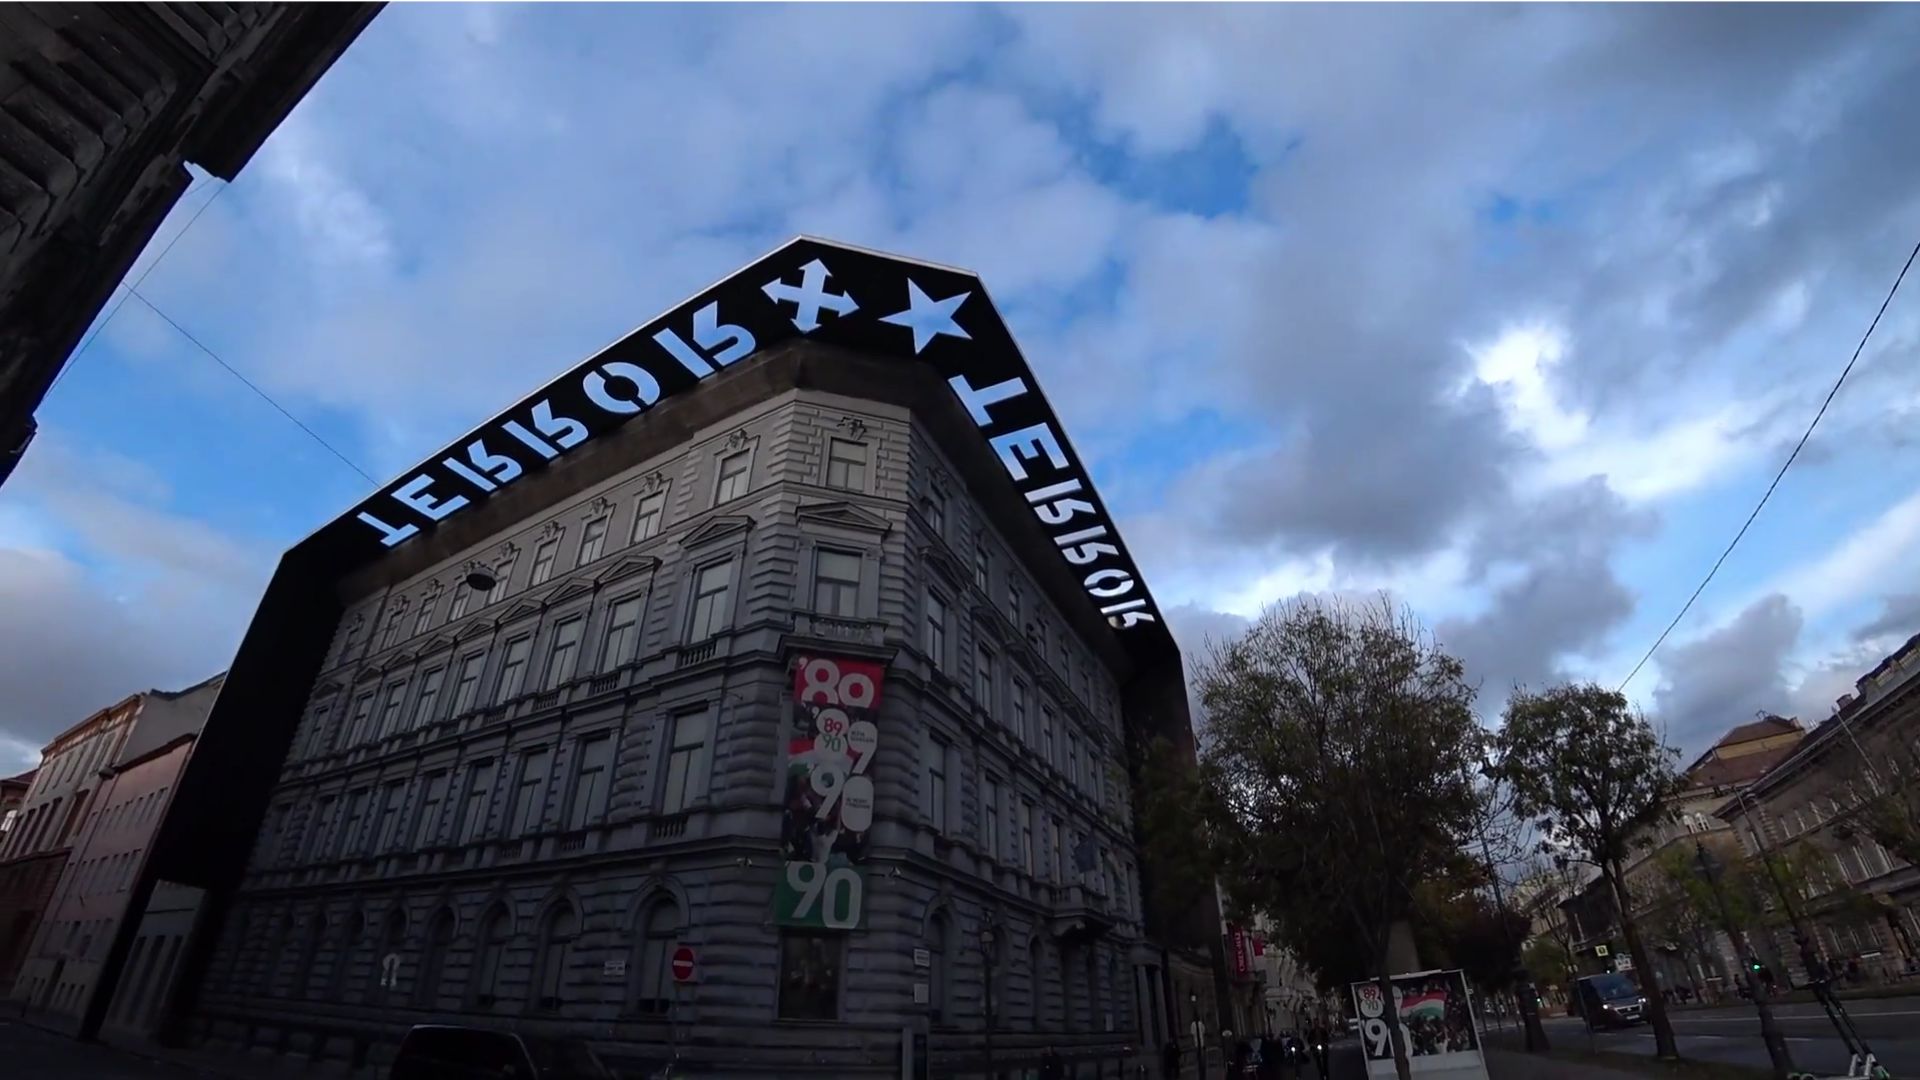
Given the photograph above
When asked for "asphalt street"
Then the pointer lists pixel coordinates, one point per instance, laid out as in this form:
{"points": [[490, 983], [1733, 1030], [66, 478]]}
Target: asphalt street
{"points": [[31, 1053], [1891, 1027]]}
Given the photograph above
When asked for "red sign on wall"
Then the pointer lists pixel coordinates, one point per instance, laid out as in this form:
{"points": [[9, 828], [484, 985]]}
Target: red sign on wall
{"points": [[682, 964], [1237, 948]]}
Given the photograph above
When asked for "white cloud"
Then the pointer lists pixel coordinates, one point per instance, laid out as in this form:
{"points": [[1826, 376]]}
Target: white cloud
{"points": [[1873, 559]]}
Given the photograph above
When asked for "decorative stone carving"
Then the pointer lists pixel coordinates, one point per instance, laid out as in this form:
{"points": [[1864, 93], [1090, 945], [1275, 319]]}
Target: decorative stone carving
{"points": [[599, 507], [738, 439], [550, 530], [654, 482], [854, 427]]}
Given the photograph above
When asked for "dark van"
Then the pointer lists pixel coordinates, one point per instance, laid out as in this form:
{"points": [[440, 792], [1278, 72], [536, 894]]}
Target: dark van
{"points": [[1610, 1000], [437, 1052]]}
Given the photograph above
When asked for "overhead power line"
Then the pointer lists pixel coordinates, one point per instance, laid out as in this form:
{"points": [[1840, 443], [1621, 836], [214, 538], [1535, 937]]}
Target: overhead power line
{"points": [[74, 360], [1784, 466], [249, 384]]}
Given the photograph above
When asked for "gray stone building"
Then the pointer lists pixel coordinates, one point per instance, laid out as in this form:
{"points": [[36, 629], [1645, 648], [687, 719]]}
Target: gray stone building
{"points": [[812, 675]]}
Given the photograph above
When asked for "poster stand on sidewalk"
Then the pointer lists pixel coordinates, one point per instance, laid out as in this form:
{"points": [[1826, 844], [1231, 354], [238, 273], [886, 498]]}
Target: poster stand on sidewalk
{"points": [[1436, 1019]]}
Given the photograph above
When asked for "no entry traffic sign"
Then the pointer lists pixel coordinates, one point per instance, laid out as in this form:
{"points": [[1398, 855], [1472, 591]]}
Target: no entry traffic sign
{"points": [[682, 964]]}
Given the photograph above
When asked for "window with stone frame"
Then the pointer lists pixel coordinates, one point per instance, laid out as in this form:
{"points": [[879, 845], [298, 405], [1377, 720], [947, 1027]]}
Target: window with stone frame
{"points": [[846, 464], [712, 601], [810, 964], [836, 583]]}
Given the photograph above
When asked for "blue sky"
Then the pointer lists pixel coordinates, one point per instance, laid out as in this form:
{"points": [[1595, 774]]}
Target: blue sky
{"points": [[1510, 311]]}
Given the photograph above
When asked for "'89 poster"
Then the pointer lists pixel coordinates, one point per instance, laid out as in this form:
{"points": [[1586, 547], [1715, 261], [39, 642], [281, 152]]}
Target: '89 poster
{"points": [[827, 818]]}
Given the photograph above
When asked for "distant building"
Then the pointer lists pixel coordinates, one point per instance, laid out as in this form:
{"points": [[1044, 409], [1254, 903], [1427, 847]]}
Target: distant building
{"points": [[13, 792], [104, 104], [1701, 960], [827, 668], [1862, 902], [59, 975]]}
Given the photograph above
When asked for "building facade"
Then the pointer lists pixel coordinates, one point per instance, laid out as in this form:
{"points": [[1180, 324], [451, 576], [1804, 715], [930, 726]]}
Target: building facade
{"points": [[1688, 951], [49, 817], [782, 729], [104, 104], [88, 901], [1858, 901]]}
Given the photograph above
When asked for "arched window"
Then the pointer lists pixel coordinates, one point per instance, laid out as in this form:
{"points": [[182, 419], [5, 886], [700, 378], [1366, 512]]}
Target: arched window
{"points": [[937, 967], [352, 929], [659, 931], [1036, 984], [1063, 965], [276, 948], [303, 980], [556, 948], [426, 990], [494, 933], [1113, 995], [383, 975]]}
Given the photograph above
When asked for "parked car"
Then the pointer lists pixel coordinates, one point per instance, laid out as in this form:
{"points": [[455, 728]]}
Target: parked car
{"points": [[1610, 1000], [446, 1052]]}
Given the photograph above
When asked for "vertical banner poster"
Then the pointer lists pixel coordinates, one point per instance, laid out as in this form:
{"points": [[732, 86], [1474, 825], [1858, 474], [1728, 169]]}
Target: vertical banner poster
{"points": [[1436, 1019], [827, 817], [1237, 947]]}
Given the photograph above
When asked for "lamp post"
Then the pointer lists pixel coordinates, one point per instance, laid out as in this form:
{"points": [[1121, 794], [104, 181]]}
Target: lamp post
{"points": [[989, 937], [1769, 1031], [1199, 1036]]}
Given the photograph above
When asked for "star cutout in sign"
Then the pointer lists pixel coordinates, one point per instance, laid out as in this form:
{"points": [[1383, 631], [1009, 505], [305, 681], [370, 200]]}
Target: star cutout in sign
{"points": [[927, 317]]}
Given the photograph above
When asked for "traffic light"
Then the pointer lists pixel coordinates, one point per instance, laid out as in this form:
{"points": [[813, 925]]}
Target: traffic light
{"points": [[1753, 962]]}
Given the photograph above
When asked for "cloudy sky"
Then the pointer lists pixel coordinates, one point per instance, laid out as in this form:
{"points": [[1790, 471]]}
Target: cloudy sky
{"points": [[1512, 311]]}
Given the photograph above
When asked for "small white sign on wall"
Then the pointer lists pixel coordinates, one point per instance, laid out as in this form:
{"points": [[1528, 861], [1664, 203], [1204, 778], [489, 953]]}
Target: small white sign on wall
{"points": [[922, 958], [613, 969], [919, 993]]}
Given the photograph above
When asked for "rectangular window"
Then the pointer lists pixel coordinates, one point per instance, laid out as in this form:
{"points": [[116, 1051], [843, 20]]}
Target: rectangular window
{"points": [[810, 975], [733, 477], [990, 816], [423, 709], [543, 557], [1046, 737], [502, 574], [623, 635], [1025, 825], [983, 678], [936, 807], [462, 596], [529, 801], [391, 633], [424, 621], [391, 829], [836, 583], [980, 568], [935, 641], [350, 829], [322, 830], [1018, 693], [687, 764], [846, 464], [647, 519], [1073, 760], [1013, 603], [593, 540], [319, 738], [473, 816], [466, 692], [1054, 850], [590, 781], [712, 591], [513, 673], [390, 712], [935, 509], [426, 831], [565, 656]]}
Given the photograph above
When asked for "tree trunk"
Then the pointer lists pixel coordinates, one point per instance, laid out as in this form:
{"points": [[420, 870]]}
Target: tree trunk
{"points": [[1395, 1034], [1664, 1046]]}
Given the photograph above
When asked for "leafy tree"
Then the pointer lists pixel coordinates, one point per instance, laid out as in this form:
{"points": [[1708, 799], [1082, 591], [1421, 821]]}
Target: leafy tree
{"points": [[1547, 961], [1339, 748], [1892, 815], [1593, 774]]}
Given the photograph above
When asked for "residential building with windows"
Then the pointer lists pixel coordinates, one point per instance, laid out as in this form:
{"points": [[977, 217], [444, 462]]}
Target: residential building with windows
{"points": [[77, 837], [1858, 900], [59, 975], [601, 774]]}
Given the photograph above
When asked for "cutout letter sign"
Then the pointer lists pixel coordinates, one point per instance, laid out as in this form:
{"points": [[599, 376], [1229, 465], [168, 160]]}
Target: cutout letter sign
{"points": [[870, 304], [828, 815]]}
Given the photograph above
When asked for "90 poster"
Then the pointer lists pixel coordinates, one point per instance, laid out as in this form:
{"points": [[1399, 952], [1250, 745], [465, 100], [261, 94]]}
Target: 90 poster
{"points": [[827, 813]]}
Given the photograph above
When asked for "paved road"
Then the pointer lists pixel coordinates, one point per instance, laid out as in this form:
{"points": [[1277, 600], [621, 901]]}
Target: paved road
{"points": [[1732, 1035]]}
